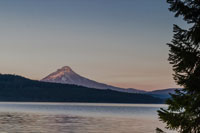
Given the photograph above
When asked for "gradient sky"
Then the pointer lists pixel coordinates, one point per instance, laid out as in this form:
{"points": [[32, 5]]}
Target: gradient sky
{"points": [[118, 42]]}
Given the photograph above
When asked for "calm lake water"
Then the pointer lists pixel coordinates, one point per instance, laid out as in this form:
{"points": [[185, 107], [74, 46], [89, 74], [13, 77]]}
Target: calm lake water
{"points": [[78, 118]]}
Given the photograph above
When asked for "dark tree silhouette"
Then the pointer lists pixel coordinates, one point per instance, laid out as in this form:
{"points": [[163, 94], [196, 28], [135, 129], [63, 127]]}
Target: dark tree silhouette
{"points": [[17, 88], [183, 112]]}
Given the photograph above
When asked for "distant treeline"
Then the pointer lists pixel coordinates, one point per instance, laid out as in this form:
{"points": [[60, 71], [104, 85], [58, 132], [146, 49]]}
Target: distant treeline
{"points": [[17, 88]]}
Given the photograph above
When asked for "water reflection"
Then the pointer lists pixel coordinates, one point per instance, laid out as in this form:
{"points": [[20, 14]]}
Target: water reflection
{"points": [[78, 118], [40, 123]]}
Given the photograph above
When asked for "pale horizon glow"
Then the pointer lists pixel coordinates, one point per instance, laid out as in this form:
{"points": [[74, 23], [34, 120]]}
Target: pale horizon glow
{"points": [[117, 42]]}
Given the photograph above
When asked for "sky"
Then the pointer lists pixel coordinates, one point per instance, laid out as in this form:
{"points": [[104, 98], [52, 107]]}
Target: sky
{"points": [[117, 42]]}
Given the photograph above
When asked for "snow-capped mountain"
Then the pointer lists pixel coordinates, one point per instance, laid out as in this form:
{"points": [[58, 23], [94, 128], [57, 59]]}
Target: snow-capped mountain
{"points": [[66, 75]]}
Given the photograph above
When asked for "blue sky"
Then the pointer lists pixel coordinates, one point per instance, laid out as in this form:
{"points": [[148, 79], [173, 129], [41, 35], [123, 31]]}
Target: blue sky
{"points": [[118, 42]]}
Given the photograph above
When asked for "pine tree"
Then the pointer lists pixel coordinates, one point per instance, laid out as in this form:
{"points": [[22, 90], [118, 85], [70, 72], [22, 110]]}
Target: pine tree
{"points": [[183, 112]]}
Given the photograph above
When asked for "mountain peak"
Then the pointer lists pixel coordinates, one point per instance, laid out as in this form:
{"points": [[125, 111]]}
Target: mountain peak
{"points": [[66, 69], [61, 73], [66, 75]]}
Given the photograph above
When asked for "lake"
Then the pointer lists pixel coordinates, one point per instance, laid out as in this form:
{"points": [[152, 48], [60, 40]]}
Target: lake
{"points": [[78, 118]]}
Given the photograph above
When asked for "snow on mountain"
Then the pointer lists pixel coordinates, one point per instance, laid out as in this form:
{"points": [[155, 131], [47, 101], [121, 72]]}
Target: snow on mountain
{"points": [[66, 75]]}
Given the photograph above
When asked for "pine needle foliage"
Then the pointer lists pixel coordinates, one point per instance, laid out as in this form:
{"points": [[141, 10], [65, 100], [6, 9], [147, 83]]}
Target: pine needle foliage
{"points": [[183, 112]]}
